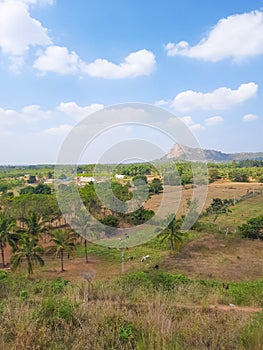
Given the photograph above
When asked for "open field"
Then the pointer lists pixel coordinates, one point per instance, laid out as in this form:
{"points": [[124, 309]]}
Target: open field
{"points": [[240, 213], [181, 305], [177, 196], [214, 256]]}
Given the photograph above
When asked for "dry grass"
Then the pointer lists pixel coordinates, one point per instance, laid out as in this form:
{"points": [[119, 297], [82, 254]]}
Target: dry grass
{"points": [[109, 316], [219, 257], [177, 196]]}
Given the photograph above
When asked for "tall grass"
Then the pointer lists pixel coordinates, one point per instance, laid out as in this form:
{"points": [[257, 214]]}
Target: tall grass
{"points": [[138, 311]]}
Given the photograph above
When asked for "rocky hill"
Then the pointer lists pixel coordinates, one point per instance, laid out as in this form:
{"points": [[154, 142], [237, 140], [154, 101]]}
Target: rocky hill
{"points": [[182, 152]]}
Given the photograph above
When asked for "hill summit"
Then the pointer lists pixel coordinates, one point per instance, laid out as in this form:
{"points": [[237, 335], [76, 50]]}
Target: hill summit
{"points": [[186, 153]]}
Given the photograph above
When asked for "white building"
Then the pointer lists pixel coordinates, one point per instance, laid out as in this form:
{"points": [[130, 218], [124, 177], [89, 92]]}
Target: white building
{"points": [[86, 179], [118, 176]]}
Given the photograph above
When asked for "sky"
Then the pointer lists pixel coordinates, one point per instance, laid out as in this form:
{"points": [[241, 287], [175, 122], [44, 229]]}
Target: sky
{"points": [[63, 60]]}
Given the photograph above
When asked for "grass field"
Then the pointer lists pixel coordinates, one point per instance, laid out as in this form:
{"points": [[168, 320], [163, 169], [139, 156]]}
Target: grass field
{"points": [[181, 305], [177, 196]]}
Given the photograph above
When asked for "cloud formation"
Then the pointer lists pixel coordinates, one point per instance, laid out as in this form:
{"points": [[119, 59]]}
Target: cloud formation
{"points": [[77, 112], [137, 63], [220, 99], [31, 114], [58, 59], [249, 118], [19, 31], [237, 37], [214, 120]]}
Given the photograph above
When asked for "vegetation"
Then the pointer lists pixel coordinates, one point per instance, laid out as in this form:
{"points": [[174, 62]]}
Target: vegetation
{"points": [[219, 206], [253, 229], [27, 249], [6, 236], [172, 231], [138, 311], [154, 304], [63, 243]]}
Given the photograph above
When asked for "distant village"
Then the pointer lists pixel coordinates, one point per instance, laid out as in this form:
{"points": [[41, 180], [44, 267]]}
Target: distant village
{"points": [[81, 181]]}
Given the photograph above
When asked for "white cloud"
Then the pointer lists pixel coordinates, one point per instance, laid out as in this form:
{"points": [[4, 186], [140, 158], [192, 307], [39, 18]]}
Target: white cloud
{"points": [[160, 103], [18, 30], [78, 112], [59, 60], [249, 117], [34, 114], [61, 130], [214, 120], [237, 37], [219, 99], [31, 114], [135, 64], [187, 120], [196, 126]]}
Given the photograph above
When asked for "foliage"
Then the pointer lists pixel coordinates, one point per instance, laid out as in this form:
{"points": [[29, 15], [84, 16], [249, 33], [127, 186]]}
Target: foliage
{"points": [[238, 175], [156, 186], [3, 275], [28, 250], [253, 229], [135, 169], [219, 206], [140, 177], [63, 243], [172, 231], [139, 216], [53, 311], [111, 222], [6, 234], [39, 189]]}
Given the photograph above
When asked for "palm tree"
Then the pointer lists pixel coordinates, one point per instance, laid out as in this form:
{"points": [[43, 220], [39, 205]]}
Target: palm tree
{"points": [[81, 223], [27, 249], [6, 226], [172, 231], [64, 242], [35, 225]]}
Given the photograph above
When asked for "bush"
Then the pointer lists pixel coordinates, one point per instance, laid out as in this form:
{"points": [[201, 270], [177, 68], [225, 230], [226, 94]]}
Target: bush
{"points": [[53, 311], [59, 284], [253, 229], [3, 275], [154, 279]]}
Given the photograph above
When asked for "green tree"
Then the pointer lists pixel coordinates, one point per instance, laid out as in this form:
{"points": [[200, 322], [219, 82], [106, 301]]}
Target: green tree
{"points": [[253, 229], [6, 228], [35, 225], [219, 206], [42, 189], [27, 249], [172, 231], [63, 243], [156, 186], [81, 222], [140, 177], [27, 190], [111, 223]]}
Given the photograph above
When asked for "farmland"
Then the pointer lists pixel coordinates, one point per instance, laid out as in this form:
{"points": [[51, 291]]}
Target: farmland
{"points": [[206, 293]]}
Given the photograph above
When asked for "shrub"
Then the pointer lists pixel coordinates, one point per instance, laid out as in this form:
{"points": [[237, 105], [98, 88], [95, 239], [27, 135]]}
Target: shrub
{"points": [[3, 275], [253, 229], [58, 284], [53, 311]]}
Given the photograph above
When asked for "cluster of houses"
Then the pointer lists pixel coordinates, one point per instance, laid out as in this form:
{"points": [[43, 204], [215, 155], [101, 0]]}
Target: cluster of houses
{"points": [[82, 180]]}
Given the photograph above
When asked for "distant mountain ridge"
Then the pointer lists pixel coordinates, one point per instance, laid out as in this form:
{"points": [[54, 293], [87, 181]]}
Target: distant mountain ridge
{"points": [[182, 152]]}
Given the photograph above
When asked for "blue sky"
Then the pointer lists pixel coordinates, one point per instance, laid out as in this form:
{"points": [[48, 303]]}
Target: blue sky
{"points": [[61, 60]]}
